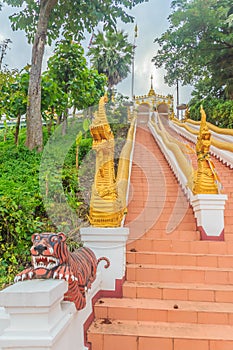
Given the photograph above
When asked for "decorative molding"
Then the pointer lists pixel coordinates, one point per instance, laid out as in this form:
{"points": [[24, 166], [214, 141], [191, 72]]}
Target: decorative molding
{"points": [[205, 237], [112, 241], [209, 212]]}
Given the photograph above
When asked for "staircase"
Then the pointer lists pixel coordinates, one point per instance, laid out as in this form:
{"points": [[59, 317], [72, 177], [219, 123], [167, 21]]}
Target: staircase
{"points": [[178, 293]]}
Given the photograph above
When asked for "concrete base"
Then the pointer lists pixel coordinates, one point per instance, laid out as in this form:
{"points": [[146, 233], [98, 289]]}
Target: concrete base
{"points": [[111, 243], [209, 212], [36, 317], [33, 314]]}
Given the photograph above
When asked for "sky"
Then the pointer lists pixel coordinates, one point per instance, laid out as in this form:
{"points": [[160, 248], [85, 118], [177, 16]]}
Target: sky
{"points": [[151, 18]]}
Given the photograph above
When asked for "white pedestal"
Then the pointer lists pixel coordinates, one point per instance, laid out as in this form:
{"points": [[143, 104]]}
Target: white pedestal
{"points": [[35, 316], [209, 212], [111, 243]]}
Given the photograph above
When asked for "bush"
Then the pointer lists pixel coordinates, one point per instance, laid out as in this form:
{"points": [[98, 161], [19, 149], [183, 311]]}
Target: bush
{"points": [[22, 211], [219, 112]]}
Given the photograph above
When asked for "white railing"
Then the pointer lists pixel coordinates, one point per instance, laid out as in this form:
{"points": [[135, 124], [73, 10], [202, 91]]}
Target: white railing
{"points": [[225, 156], [208, 208], [171, 159]]}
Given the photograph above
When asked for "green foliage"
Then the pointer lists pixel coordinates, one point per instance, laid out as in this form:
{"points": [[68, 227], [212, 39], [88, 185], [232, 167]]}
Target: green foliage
{"points": [[43, 22], [112, 54], [219, 112], [117, 111], [14, 93], [84, 148], [53, 99], [117, 114], [22, 210], [7, 79], [198, 46], [67, 82], [70, 16], [4, 45], [79, 86]]}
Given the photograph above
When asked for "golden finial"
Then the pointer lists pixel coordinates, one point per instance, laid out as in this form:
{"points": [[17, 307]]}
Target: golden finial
{"points": [[203, 117], [100, 115]]}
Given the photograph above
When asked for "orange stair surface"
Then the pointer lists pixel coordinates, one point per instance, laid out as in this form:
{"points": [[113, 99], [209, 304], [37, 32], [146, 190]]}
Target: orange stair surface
{"points": [[178, 293]]}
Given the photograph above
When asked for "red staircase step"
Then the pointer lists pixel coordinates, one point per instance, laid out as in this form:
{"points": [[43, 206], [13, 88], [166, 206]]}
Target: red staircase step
{"points": [[165, 311], [174, 258], [180, 291], [182, 274], [136, 335], [181, 246]]}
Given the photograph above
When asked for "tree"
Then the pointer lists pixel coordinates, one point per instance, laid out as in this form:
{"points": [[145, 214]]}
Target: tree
{"points": [[111, 54], [3, 47], [43, 21], [14, 96], [81, 87], [198, 48]]}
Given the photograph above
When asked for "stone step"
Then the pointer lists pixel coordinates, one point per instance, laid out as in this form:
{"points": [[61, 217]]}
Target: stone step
{"points": [[105, 334], [157, 225], [187, 259], [178, 274], [180, 291], [164, 311], [144, 231], [180, 246]]}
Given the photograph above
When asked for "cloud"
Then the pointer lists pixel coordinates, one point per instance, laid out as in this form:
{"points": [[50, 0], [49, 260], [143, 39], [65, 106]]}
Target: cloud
{"points": [[151, 18], [19, 51]]}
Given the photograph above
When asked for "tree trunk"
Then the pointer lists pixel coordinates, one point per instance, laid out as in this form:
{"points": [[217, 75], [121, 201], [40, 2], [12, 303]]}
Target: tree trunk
{"points": [[59, 119], [34, 138], [65, 122], [50, 123], [49, 126], [17, 130]]}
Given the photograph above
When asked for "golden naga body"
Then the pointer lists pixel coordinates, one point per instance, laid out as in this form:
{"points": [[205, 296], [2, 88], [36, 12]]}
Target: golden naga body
{"points": [[206, 180], [105, 207]]}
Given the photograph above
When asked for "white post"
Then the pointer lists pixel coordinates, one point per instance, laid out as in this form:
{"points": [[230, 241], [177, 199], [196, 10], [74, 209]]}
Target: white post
{"points": [[111, 243], [209, 212], [37, 319], [34, 316]]}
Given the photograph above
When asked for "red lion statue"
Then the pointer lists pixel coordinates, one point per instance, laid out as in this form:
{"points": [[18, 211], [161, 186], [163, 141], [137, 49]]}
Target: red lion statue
{"points": [[52, 259]]}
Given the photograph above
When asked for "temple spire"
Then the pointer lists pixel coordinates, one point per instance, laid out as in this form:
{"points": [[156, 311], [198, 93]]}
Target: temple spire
{"points": [[151, 92]]}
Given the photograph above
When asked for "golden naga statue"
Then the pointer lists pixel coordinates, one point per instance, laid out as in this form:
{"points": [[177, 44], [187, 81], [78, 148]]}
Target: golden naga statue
{"points": [[105, 207], [172, 116], [206, 180], [186, 114]]}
